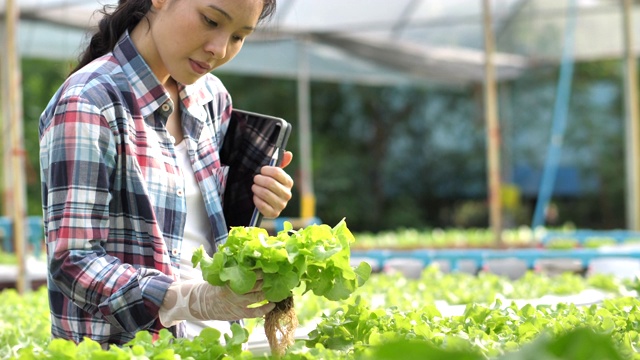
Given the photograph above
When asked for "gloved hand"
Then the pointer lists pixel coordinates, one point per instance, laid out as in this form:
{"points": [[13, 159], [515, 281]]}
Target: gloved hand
{"points": [[198, 300]]}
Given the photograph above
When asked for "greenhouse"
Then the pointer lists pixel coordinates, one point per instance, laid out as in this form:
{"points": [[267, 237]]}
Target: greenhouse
{"points": [[466, 185]]}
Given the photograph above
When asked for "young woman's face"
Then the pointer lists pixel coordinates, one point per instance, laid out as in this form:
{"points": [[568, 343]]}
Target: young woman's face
{"points": [[193, 37]]}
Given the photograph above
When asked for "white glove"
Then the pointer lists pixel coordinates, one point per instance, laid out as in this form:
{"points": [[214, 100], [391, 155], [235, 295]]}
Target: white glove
{"points": [[198, 300]]}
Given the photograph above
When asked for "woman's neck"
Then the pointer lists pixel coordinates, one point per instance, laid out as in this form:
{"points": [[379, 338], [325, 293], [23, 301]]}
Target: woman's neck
{"points": [[174, 122], [140, 36]]}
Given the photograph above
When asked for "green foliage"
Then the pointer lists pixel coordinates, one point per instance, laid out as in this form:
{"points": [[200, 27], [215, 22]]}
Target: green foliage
{"points": [[504, 332], [24, 322], [562, 243], [205, 346], [596, 242], [458, 289], [354, 329], [577, 344], [471, 214], [7, 258], [398, 350], [316, 257], [444, 238]]}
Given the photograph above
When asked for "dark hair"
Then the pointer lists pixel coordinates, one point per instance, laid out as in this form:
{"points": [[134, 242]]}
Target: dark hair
{"points": [[125, 16], [268, 9]]}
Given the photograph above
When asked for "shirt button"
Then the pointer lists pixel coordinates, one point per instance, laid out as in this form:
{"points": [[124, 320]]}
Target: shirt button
{"points": [[180, 192], [166, 107], [174, 252]]}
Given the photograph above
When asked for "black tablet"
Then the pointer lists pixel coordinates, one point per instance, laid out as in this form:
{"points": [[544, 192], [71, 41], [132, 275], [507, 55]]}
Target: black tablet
{"points": [[252, 141]]}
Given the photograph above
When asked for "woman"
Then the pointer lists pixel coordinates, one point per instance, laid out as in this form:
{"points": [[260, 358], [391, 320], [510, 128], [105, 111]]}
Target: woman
{"points": [[130, 168]]}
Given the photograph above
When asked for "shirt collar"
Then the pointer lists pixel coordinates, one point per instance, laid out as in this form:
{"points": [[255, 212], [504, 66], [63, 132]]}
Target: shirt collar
{"points": [[146, 86]]}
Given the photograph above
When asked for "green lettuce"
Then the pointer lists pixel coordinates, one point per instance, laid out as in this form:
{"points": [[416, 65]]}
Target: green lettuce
{"points": [[316, 257]]}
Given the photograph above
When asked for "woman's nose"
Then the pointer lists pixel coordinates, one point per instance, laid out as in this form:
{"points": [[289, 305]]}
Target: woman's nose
{"points": [[217, 46]]}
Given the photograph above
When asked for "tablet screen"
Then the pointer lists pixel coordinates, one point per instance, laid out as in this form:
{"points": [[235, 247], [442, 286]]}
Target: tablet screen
{"points": [[252, 141]]}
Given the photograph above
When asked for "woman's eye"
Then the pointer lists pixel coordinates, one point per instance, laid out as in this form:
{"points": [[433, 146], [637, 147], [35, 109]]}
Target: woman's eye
{"points": [[209, 21], [238, 38]]}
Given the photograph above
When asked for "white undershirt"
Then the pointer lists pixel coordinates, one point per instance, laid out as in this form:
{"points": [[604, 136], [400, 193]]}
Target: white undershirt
{"points": [[196, 232], [197, 228]]}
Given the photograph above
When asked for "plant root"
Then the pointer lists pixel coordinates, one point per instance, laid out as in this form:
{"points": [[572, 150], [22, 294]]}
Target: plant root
{"points": [[280, 326]]}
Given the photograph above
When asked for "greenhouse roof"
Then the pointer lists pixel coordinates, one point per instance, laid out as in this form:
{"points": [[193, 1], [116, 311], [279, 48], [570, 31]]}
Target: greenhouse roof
{"points": [[376, 41]]}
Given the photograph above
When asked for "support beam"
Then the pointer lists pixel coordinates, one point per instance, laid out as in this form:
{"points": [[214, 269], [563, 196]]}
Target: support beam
{"points": [[494, 180], [5, 130], [632, 127], [308, 200], [17, 153]]}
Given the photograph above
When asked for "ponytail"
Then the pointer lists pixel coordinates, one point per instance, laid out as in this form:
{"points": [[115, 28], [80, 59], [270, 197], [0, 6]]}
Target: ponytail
{"points": [[126, 16]]}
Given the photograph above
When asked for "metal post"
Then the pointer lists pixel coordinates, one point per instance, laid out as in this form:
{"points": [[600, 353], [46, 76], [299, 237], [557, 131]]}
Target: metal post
{"points": [[493, 129], [632, 129], [308, 201], [559, 122], [17, 153]]}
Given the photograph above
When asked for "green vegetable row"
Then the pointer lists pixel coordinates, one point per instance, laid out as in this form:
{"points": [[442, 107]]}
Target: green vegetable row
{"points": [[485, 331], [354, 329], [358, 316]]}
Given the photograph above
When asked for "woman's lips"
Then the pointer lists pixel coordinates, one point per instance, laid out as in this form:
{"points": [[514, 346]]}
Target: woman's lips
{"points": [[199, 67]]}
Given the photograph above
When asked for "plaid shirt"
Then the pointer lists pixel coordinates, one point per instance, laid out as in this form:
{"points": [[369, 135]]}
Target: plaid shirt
{"points": [[114, 210]]}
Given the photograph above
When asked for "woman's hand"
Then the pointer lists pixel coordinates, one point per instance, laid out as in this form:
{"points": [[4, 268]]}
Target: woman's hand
{"points": [[198, 300], [272, 188]]}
